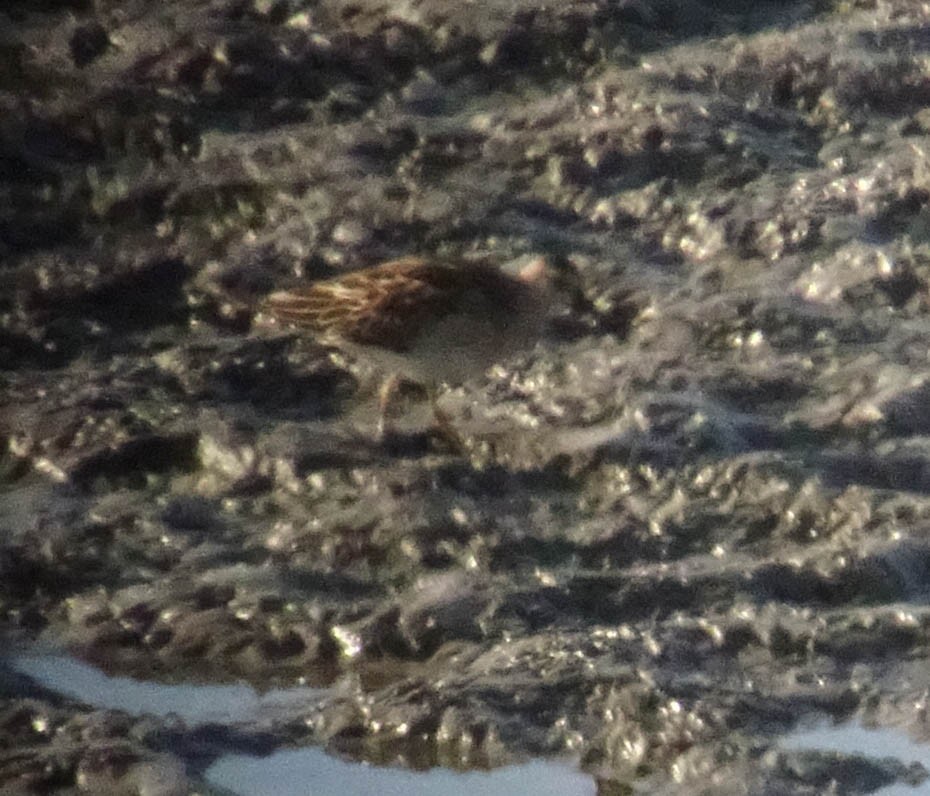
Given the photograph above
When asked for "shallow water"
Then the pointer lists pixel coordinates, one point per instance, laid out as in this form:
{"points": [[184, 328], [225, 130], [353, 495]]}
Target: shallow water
{"points": [[854, 739], [194, 703], [295, 771], [311, 771]]}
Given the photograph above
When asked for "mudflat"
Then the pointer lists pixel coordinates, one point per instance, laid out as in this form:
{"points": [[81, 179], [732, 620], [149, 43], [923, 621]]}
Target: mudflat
{"points": [[692, 520]]}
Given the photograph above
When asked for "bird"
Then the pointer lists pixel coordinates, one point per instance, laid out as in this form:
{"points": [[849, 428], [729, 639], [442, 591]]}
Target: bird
{"points": [[430, 321]]}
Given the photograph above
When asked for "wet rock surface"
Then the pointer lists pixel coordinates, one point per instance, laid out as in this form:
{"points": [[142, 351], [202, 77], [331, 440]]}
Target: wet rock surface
{"points": [[696, 516]]}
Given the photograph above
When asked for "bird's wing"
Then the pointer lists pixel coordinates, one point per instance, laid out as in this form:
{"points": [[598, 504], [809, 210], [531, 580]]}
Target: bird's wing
{"points": [[384, 306]]}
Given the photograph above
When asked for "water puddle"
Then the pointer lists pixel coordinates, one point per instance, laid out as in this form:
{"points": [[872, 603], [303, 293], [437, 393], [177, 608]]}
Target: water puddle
{"points": [[309, 772], [854, 739], [300, 771], [195, 704]]}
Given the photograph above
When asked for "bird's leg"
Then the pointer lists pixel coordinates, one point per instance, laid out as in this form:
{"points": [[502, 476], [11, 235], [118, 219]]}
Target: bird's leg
{"points": [[386, 394], [444, 423]]}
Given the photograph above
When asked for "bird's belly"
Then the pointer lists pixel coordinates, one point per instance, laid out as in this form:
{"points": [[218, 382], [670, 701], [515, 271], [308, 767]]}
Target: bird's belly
{"points": [[458, 349]]}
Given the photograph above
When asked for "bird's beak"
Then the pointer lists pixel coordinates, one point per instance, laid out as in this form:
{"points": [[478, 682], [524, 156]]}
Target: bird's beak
{"points": [[534, 272]]}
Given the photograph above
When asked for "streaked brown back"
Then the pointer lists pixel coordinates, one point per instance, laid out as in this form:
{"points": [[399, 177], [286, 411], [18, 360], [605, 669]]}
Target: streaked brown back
{"points": [[386, 305]]}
